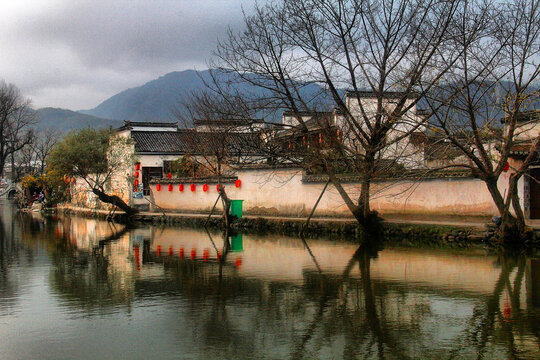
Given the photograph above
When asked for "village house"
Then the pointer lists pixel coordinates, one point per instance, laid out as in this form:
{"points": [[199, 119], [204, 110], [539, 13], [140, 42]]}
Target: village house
{"points": [[158, 146]]}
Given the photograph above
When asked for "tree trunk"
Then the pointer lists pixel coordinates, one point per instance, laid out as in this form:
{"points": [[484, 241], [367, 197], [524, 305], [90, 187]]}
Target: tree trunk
{"points": [[116, 201], [354, 209], [226, 202], [363, 200], [510, 227], [13, 176], [513, 194], [2, 165]]}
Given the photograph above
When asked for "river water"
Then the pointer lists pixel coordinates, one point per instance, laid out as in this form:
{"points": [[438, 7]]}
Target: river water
{"points": [[73, 288]]}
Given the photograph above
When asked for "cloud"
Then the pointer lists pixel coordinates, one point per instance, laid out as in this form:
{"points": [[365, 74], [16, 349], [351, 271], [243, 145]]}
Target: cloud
{"points": [[74, 54]]}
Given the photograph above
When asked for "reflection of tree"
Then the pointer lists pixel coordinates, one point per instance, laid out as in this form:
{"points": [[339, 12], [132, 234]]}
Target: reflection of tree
{"points": [[491, 325], [364, 327], [12, 252], [86, 277], [9, 253]]}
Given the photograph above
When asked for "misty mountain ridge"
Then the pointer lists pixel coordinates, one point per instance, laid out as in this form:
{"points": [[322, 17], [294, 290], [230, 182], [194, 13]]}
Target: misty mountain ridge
{"points": [[160, 99], [64, 120]]}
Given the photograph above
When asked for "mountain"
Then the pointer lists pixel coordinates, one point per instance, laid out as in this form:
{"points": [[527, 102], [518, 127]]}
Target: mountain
{"points": [[65, 120], [153, 101], [157, 99]]}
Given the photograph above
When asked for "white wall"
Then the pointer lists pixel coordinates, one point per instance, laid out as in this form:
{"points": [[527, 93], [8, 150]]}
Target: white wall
{"points": [[282, 192]]}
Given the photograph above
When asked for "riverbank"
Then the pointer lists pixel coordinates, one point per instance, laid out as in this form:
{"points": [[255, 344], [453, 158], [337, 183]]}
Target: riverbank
{"points": [[405, 230]]}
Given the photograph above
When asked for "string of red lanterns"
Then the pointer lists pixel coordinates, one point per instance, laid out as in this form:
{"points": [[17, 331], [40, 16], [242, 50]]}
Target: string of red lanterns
{"points": [[193, 187]]}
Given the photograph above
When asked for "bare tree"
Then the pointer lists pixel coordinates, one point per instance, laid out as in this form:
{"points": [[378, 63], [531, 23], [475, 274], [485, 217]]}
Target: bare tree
{"points": [[223, 137], [499, 48], [44, 145], [32, 158], [16, 118], [387, 53]]}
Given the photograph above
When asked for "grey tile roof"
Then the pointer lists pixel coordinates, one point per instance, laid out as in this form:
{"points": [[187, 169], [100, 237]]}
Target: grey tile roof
{"points": [[194, 142], [130, 124]]}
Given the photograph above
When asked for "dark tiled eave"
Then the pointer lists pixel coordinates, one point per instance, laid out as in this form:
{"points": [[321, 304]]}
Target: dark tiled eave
{"points": [[130, 124], [385, 94]]}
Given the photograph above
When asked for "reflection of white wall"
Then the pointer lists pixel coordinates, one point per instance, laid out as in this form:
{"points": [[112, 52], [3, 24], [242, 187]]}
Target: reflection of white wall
{"points": [[281, 258]]}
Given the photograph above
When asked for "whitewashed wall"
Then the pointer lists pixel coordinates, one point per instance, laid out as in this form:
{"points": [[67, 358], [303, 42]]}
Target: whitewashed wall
{"points": [[282, 192]]}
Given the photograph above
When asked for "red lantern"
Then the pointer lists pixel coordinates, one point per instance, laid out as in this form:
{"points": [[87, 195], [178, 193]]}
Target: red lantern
{"points": [[170, 187], [181, 187], [506, 167], [217, 187], [138, 166], [136, 174], [158, 187], [205, 187], [169, 175], [192, 187], [238, 183], [136, 183]]}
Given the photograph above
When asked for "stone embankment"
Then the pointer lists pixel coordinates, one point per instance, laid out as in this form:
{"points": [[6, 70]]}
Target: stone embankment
{"points": [[403, 231]]}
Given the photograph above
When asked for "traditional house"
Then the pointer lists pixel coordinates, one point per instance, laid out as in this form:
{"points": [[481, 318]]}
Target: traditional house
{"points": [[158, 146], [405, 139]]}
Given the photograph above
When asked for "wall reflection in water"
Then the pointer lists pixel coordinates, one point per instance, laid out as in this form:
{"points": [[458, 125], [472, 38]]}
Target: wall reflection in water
{"points": [[247, 296]]}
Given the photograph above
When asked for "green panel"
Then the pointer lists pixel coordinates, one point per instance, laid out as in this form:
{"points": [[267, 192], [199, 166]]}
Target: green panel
{"points": [[236, 208], [237, 243]]}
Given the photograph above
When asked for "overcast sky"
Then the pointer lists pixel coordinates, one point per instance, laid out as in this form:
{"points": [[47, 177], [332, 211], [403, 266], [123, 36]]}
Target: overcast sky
{"points": [[76, 53]]}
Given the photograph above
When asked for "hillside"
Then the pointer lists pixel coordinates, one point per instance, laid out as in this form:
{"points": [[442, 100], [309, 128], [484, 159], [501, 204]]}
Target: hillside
{"points": [[157, 99], [152, 101], [65, 120]]}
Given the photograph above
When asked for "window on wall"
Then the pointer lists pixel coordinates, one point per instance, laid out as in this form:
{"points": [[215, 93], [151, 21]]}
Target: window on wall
{"points": [[168, 166]]}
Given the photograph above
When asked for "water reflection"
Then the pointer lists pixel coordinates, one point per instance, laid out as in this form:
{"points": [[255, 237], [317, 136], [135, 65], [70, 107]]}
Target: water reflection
{"points": [[200, 294]]}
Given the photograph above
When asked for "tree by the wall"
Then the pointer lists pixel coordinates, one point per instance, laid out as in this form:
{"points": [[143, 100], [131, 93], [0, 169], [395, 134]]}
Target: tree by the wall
{"points": [[390, 49], [98, 157], [493, 83]]}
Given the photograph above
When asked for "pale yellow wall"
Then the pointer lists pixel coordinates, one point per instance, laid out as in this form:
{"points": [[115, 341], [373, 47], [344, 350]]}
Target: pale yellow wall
{"points": [[282, 192]]}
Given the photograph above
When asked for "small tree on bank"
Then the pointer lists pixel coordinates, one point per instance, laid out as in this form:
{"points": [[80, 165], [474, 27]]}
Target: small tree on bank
{"points": [[98, 157]]}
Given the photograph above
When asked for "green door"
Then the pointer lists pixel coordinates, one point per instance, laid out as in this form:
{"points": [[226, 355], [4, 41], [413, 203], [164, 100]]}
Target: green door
{"points": [[236, 208]]}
